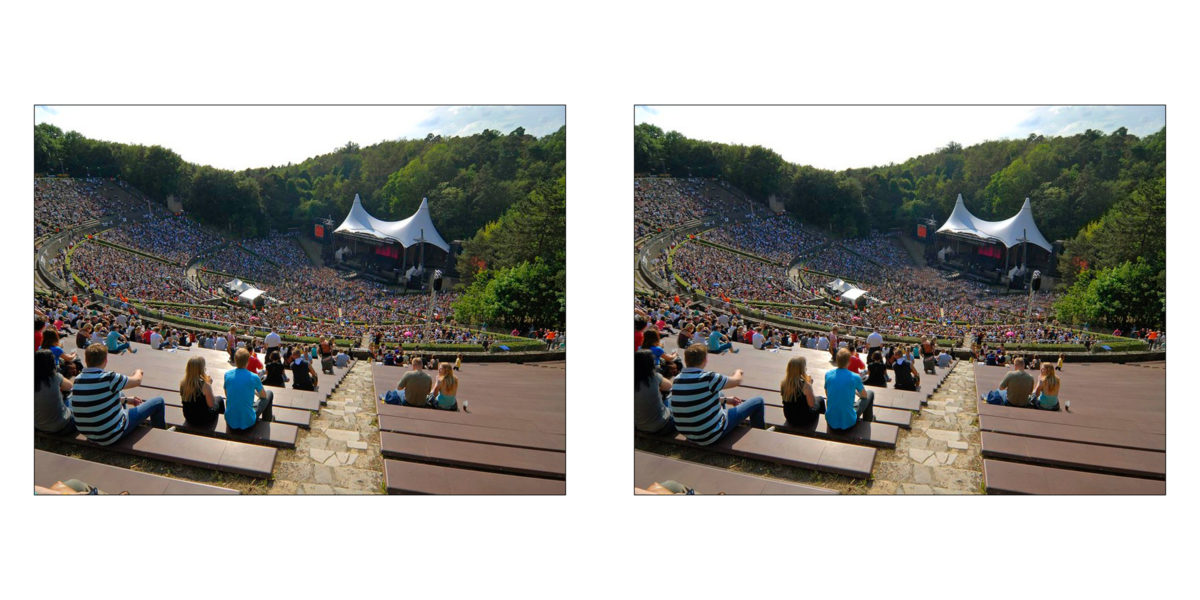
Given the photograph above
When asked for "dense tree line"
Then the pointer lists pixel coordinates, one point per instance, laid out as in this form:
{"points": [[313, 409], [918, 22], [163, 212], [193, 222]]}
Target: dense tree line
{"points": [[470, 181], [1104, 194]]}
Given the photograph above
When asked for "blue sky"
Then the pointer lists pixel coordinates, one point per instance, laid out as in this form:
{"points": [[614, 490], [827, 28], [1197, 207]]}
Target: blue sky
{"points": [[240, 137], [842, 137]]}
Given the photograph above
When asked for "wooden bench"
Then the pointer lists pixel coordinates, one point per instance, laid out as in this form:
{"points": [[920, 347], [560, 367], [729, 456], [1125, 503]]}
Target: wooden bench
{"points": [[1073, 433], [444, 416], [405, 477], [187, 449], [1004, 477], [473, 455], [890, 416], [287, 416], [880, 435], [278, 435], [49, 467], [1071, 455], [789, 450], [535, 440], [649, 468]]}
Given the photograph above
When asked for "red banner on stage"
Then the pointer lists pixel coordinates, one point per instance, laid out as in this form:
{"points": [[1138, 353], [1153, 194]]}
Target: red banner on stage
{"points": [[388, 251], [319, 231], [921, 231]]}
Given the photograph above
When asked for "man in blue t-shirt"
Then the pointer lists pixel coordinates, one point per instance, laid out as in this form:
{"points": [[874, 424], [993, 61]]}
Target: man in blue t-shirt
{"points": [[841, 387], [117, 343], [245, 399], [718, 343]]}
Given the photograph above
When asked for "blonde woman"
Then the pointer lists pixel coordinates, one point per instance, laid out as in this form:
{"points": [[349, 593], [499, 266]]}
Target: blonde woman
{"points": [[445, 389], [1045, 395], [200, 406], [800, 407]]}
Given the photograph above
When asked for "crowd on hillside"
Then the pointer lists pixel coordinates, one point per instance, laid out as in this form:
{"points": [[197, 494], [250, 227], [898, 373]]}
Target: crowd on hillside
{"points": [[719, 273], [882, 248], [778, 238], [116, 273], [175, 238], [60, 203], [660, 203], [282, 249]]}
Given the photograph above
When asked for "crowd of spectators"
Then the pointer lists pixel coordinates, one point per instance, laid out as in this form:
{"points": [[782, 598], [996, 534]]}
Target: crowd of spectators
{"points": [[60, 203], [116, 273], [719, 273], [175, 238], [776, 237], [660, 203]]}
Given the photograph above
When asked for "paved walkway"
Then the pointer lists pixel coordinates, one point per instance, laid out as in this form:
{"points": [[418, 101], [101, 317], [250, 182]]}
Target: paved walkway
{"points": [[941, 453], [339, 454]]}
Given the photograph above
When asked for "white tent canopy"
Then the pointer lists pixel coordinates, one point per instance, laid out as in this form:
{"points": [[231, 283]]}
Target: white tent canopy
{"points": [[413, 230], [250, 295], [1010, 232]]}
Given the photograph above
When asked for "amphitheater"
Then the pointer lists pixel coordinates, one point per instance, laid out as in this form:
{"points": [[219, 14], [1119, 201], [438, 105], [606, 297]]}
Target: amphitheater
{"points": [[508, 437], [716, 254]]}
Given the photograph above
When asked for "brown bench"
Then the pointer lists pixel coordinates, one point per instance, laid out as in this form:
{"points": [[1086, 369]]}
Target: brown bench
{"points": [[890, 416], [288, 416], [278, 435], [1004, 477], [789, 450], [1071, 455], [1139, 423], [405, 477], [473, 455], [880, 435], [49, 468], [187, 449], [649, 468], [535, 440], [1073, 433], [445, 416]]}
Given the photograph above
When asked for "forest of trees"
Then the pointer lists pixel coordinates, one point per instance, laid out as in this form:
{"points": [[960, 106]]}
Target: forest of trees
{"points": [[503, 194], [1105, 195]]}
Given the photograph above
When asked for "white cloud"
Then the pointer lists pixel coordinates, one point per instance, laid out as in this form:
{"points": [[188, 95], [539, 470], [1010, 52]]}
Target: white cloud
{"points": [[239, 137], [841, 137]]}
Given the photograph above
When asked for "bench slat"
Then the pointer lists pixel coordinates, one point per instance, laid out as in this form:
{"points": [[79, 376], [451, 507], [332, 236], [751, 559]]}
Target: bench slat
{"points": [[880, 435], [485, 457], [287, 416], [405, 477], [649, 468], [278, 435], [473, 433], [49, 467], [187, 449], [1089, 457], [791, 450], [1003, 477], [1070, 433]]}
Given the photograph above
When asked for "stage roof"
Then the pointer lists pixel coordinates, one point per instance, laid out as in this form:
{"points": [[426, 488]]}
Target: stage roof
{"points": [[1008, 232], [407, 232]]}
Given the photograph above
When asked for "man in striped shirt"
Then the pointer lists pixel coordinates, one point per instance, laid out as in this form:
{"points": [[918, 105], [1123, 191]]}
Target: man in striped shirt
{"points": [[99, 411], [697, 408]]}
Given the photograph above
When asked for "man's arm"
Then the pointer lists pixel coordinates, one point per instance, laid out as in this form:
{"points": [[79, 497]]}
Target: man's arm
{"points": [[132, 381], [734, 380]]}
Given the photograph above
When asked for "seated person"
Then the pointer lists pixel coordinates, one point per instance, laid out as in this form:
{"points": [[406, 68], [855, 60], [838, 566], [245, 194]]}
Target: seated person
{"points": [[444, 394], [275, 371], [117, 343], [51, 412], [846, 400], [991, 358], [800, 407], [342, 359], [99, 410], [876, 371], [650, 412], [303, 375], [907, 377], [413, 388], [254, 366], [389, 358], [757, 340], [1058, 366], [685, 336], [697, 408], [856, 363], [200, 406], [245, 399], [718, 343], [1014, 388], [944, 359], [1045, 395], [67, 363]]}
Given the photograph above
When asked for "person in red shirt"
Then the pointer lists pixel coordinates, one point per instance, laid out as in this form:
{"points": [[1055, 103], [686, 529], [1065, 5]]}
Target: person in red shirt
{"points": [[856, 363], [146, 335], [38, 326], [639, 331], [255, 365]]}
